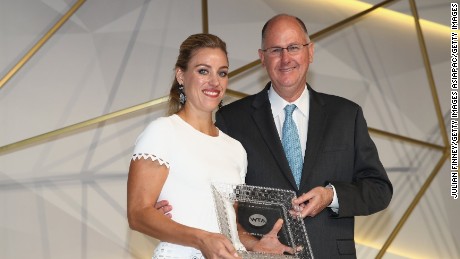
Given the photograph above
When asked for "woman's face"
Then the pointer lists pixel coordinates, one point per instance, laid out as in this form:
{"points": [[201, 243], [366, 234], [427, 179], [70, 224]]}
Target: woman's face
{"points": [[205, 79]]}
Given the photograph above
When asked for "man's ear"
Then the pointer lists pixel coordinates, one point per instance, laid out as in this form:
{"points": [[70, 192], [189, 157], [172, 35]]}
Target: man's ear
{"points": [[262, 57], [311, 51]]}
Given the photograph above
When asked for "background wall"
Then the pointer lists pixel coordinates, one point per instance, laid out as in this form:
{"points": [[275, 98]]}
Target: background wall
{"points": [[65, 196]]}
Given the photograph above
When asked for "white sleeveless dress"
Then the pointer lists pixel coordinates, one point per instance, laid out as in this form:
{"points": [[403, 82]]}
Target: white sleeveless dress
{"points": [[195, 160]]}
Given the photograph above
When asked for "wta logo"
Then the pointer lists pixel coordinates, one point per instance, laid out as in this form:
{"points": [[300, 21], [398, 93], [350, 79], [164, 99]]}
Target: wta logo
{"points": [[257, 220]]}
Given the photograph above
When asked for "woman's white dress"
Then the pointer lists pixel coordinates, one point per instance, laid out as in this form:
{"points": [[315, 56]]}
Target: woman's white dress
{"points": [[195, 160]]}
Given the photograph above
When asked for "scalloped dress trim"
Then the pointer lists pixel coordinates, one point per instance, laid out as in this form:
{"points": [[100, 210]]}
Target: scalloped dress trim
{"points": [[152, 157]]}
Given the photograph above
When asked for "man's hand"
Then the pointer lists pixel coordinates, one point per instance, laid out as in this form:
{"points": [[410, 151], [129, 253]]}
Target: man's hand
{"points": [[313, 202], [269, 243], [164, 207]]}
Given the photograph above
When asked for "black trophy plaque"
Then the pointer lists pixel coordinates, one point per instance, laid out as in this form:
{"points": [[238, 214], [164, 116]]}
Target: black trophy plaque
{"points": [[255, 210]]}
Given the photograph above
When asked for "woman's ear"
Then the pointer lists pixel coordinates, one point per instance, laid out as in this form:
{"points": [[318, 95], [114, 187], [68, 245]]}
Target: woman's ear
{"points": [[179, 76]]}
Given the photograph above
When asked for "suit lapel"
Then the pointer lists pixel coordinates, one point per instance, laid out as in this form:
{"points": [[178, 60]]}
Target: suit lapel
{"points": [[316, 128], [263, 118]]}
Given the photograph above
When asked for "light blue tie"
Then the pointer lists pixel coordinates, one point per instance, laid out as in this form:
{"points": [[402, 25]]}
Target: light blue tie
{"points": [[291, 144]]}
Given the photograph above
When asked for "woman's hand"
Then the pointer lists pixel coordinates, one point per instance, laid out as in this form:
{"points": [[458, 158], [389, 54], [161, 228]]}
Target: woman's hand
{"points": [[214, 246]]}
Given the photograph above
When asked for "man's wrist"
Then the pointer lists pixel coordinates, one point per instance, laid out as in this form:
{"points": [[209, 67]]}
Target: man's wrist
{"points": [[334, 205], [330, 188]]}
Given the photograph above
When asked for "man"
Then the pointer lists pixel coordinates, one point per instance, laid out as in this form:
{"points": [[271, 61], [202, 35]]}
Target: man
{"points": [[340, 175]]}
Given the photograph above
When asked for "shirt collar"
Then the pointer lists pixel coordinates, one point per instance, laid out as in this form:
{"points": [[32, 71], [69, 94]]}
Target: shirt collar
{"points": [[278, 103]]}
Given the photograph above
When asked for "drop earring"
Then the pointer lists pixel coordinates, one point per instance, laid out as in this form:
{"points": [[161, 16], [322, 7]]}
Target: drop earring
{"points": [[182, 97]]}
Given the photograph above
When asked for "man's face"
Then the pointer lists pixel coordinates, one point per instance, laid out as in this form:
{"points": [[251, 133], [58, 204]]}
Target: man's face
{"points": [[287, 70]]}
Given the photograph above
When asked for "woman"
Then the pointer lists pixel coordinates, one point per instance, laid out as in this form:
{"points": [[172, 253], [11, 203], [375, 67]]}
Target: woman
{"points": [[177, 157]]}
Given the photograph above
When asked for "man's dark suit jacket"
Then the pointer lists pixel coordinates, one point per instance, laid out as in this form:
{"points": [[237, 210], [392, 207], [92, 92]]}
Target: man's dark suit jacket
{"points": [[339, 151]]}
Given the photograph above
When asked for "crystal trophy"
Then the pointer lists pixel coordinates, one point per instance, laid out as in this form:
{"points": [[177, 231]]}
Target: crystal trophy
{"points": [[252, 210]]}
